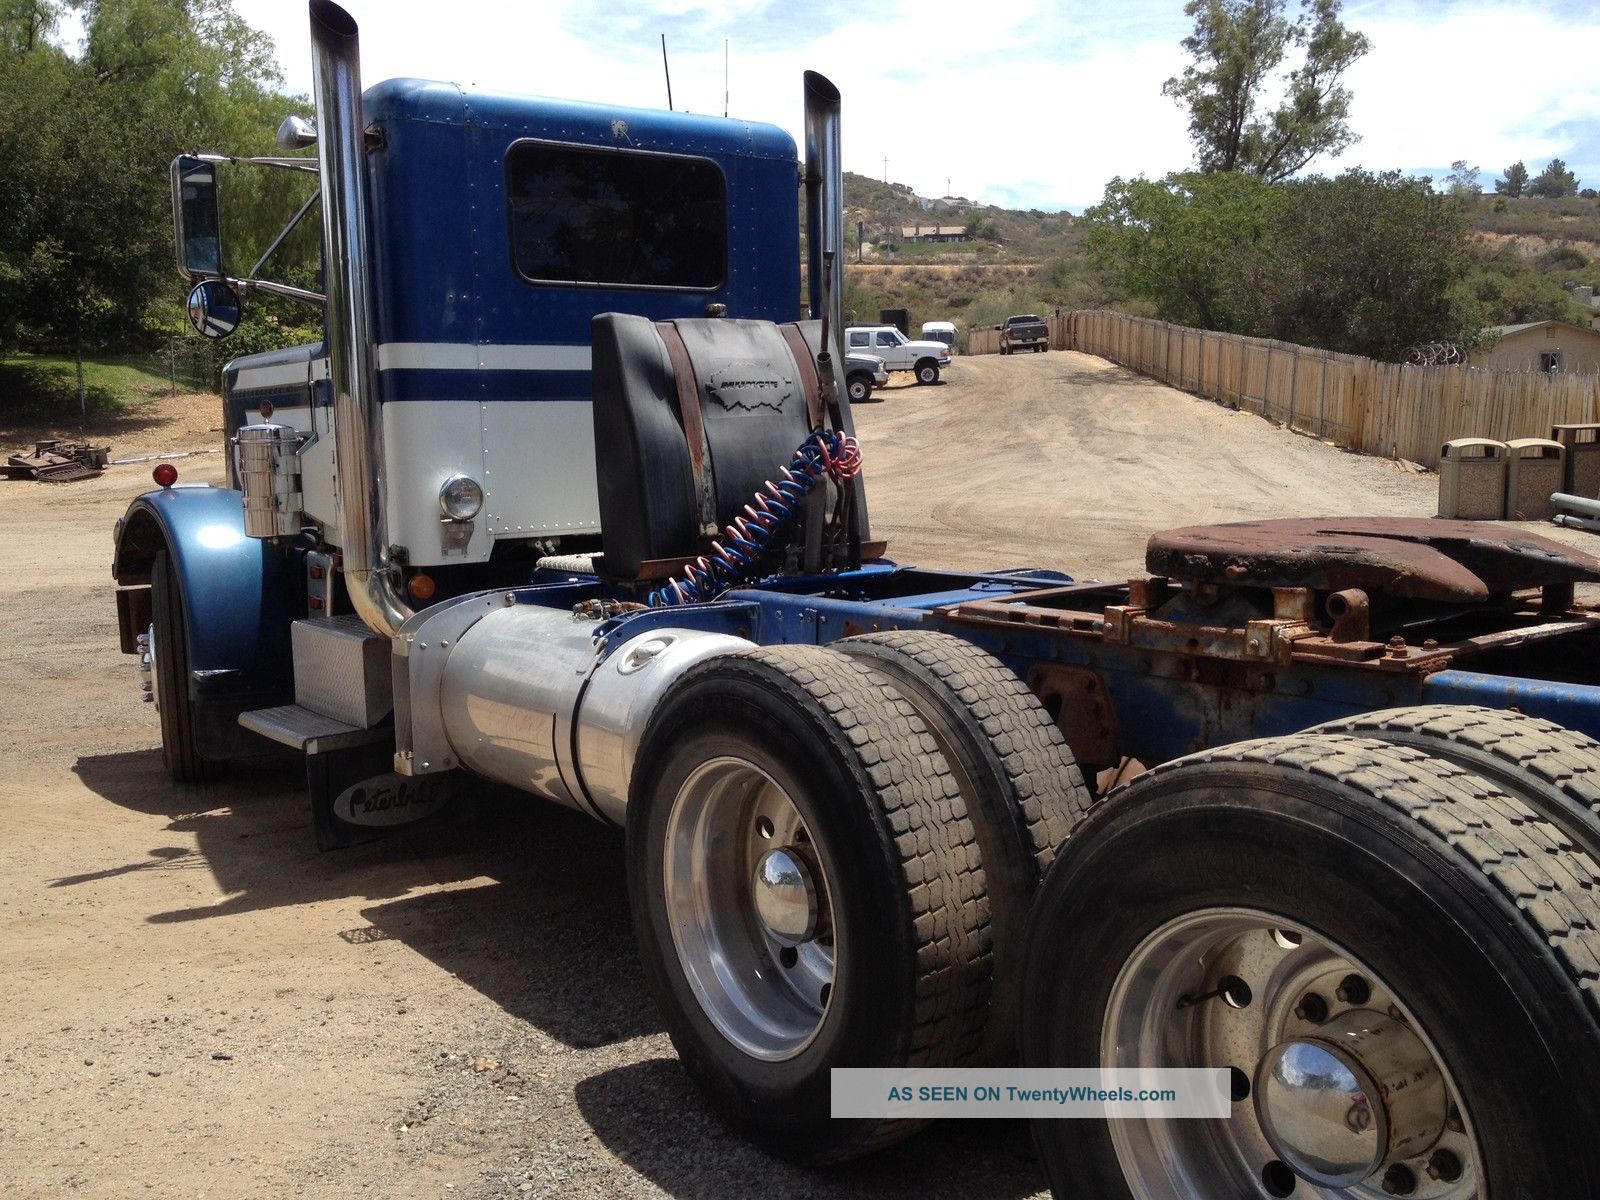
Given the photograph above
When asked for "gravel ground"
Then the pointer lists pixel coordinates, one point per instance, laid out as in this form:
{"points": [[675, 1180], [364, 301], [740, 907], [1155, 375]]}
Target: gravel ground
{"points": [[199, 1004]]}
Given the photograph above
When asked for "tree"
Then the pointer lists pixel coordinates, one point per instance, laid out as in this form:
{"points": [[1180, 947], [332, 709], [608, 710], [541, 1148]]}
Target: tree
{"points": [[1367, 264], [1195, 245], [1238, 48], [1510, 290], [1554, 182], [1374, 262], [25, 23], [86, 246], [1515, 180], [1462, 181]]}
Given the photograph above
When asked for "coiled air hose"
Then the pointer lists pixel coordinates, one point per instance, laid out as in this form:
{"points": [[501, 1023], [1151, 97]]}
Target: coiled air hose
{"points": [[748, 536]]}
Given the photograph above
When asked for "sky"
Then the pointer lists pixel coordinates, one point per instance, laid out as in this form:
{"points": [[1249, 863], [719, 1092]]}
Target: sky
{"points": [[1036, 106]]}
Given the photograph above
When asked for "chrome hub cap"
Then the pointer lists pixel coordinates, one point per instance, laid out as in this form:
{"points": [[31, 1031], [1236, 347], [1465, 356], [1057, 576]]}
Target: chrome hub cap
{"points": [[784, 898], [1316, 1110], [747, 894], [1361, 1091], [1338, 1090]]}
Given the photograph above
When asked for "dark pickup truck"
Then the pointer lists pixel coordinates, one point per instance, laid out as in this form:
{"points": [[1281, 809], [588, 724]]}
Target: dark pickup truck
{"points": [[1024, 333]]}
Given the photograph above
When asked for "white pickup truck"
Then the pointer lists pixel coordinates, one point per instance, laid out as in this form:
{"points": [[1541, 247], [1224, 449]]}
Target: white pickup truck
{"points": [[899, 353]]}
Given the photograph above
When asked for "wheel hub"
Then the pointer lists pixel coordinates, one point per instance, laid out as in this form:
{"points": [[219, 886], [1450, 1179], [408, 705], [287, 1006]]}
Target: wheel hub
{"points": [[1317, 1110], [785, 898], [749, 901], [1336, 1085], [1360, 1091]]}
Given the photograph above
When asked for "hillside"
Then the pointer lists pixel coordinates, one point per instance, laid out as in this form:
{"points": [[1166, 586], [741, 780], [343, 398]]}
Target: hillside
{"points": [[1029, 261], [999, 233]]}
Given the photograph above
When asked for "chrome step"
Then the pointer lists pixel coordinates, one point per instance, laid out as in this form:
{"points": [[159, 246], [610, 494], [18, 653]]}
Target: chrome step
{"points": [[307, 731]]}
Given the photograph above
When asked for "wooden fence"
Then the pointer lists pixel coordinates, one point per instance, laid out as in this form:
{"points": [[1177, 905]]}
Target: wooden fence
{"points": [[1377, 408]]}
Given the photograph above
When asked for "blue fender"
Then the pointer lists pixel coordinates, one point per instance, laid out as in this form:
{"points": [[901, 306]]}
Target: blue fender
{"points": [[240, 595]]}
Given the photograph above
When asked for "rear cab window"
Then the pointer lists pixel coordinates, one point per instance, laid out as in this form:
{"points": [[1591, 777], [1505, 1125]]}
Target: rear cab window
{"points": [[583, 216]]}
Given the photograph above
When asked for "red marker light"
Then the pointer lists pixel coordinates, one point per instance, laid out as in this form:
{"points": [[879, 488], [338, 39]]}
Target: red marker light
{"points": [[165, 475], [265, 410]]}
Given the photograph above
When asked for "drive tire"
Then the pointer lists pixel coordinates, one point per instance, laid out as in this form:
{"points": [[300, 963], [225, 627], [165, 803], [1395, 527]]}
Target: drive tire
{"points": [[927, 371], [1479, 912], [1022, 787], [895, 852], [1554, 770], [180, 746]]}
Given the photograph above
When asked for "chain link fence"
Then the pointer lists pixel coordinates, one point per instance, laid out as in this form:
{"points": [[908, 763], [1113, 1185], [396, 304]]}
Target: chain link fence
{"points": [[188, 364]]}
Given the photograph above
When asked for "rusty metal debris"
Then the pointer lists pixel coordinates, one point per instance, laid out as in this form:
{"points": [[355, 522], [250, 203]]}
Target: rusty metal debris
{"points": [[1420, 559], [57, 461]]}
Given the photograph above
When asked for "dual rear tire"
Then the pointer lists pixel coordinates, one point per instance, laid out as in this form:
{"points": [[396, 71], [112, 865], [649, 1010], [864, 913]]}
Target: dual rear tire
{"points": [[832, 852], [815, 883], [1266, 907]]}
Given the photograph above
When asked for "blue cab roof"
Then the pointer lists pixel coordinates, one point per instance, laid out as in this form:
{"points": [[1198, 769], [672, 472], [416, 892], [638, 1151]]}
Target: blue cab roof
{"points": [[573, 120]]}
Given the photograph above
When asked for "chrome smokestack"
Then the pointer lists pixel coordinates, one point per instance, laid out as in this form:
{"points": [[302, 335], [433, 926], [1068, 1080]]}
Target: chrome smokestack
{"points": [[347, 322], [825, 209]]}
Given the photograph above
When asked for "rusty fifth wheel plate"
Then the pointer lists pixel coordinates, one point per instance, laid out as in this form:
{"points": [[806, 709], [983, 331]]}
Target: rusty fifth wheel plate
{"points": [[1421, 559]]}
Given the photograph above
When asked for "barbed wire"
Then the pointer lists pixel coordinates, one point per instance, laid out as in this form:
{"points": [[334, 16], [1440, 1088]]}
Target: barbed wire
{"points": [[1435, 354]]}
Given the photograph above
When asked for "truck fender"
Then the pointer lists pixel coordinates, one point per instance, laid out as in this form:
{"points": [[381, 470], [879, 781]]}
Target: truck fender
{"points": [[239, 593]]}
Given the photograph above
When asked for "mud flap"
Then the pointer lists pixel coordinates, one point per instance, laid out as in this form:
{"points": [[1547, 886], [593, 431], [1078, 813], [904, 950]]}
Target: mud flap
{"points": [[357, 797]]}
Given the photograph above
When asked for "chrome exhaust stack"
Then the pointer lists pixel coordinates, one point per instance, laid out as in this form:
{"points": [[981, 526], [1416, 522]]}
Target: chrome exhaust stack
{"points": [[825, 211], [347, 321]]}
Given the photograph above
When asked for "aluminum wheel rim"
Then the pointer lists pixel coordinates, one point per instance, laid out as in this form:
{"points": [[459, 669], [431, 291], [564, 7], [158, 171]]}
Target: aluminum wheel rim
{"points": [[1282, 963], [767, 991]]}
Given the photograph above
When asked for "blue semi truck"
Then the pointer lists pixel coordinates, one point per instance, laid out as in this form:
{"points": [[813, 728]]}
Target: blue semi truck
{"points": [[568, 498]]}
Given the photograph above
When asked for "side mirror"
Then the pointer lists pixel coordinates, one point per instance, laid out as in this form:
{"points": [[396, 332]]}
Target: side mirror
{"points": [[215, 309], [196, 218]]}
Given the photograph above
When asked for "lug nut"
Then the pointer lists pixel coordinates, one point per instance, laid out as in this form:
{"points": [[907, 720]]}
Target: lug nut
{"points": [[1399, 1180], [1313, 1008], [1444, 1166], [1354, 990]]}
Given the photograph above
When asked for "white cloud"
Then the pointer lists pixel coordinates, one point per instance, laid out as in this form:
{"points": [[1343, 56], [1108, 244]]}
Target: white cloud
{"points": [[1489, 82], [1037, 107]]}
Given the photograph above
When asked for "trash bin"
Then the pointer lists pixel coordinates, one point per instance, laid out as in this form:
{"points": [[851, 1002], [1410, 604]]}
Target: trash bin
{"points": [[1472, 479], [1535, 467], [1582, 445]]}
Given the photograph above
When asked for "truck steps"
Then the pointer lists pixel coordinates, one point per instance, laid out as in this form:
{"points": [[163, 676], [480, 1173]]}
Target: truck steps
{"points": [[310, 732]]}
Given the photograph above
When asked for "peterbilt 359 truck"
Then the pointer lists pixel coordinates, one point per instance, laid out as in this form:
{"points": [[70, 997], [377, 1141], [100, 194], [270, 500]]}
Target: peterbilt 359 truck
{"points": [[568, 498]]}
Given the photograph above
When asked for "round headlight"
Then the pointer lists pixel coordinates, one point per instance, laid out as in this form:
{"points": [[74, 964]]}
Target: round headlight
{"points": [[460, 498]]}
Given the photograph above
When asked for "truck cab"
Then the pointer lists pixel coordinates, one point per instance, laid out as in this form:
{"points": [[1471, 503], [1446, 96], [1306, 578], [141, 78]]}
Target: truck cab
{"points": [[480, 234], [498, 225]]}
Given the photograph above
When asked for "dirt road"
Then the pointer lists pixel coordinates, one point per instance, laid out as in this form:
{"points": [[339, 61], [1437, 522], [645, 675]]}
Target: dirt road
{"points": [[1067, 461], [198, 1004]]}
